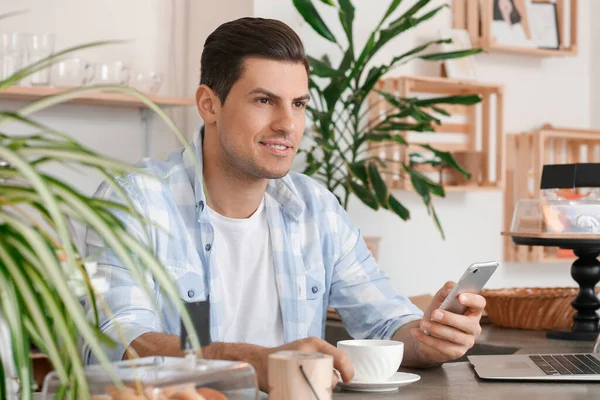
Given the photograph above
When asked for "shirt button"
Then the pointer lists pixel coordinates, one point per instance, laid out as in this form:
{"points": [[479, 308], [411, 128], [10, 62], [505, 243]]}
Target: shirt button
{"points": [[190, 293], [315, 289], [207, 247]]}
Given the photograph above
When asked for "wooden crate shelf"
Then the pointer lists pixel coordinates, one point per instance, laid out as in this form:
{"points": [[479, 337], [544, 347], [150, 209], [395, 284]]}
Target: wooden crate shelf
{"points": [[476, 17], [526, 155], [469, 128], [29, 93]]}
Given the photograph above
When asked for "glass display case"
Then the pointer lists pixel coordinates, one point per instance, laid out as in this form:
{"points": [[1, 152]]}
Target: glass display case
{"points": [[567, 215], [162, 378], [569, 202]]}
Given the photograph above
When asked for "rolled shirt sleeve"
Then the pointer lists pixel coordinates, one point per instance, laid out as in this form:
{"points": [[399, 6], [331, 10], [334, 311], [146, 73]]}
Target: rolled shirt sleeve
{"points": [[362, 294]]}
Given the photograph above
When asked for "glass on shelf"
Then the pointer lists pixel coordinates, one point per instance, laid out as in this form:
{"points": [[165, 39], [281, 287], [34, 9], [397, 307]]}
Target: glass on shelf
{"points": [[39, 46], [168, 377], [12, 52]]}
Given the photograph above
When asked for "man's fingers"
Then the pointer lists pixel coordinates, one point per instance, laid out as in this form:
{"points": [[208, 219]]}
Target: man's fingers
{"points": [[448, 333], [463, 323], [341, 361], [444, 291], [449, 351], [474, 302]]}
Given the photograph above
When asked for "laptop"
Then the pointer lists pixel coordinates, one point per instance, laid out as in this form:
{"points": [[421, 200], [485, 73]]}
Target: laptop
{"points": [[538, 367], [583, 367]]}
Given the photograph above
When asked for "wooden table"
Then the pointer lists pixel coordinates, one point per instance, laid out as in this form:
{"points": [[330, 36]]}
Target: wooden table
{"points": [[459, 380]]}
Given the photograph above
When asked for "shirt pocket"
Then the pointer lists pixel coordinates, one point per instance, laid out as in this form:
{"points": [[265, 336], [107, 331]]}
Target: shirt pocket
{"points": [[191, 287], [315, 284]]}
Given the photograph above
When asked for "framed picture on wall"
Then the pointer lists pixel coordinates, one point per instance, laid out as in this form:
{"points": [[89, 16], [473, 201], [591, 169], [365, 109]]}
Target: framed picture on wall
{"points": [[458, 68], [510, 22], [543, 22]]}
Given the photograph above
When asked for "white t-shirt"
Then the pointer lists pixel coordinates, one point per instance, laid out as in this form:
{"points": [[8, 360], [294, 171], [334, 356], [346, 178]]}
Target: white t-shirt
{"points": [[243, 254]]}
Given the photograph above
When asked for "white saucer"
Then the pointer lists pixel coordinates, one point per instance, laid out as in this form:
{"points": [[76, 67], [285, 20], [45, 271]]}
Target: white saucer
{"points": [[399, 379]]}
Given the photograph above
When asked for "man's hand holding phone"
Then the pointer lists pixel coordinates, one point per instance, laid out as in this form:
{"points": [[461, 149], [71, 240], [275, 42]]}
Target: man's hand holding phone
{"points": [[450, 334]]}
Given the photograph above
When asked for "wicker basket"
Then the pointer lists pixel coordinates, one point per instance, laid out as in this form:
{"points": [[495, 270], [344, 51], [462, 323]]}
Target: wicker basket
{"points": [[531, 308]]}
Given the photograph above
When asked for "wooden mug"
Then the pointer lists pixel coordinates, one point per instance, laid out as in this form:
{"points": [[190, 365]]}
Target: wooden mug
{"points": [[299, 375]]}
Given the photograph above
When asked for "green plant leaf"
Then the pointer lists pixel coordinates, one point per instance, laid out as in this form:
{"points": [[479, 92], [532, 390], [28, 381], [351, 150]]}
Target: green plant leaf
{"points": [[406, 22], [378, 184], [321, 69], [398, 208], [448, 159], [328, 2], [359, 171], [409, 13], [346, 16], [11, 306], [437, 221], [449, 55], [310, 14], [384, 137], [437, 190], [391, 9], [2, 381], [467, 100], [312, 165], [403, 126], [364, 194], [35, 309], [440, 111]]}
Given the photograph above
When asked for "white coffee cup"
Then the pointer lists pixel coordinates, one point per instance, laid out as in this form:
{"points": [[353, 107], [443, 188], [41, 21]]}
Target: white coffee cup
{"points": [[374, 361]]}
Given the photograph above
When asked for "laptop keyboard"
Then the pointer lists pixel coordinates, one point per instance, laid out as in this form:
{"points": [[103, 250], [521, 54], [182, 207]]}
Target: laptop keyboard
{"points": [[568, 364]]}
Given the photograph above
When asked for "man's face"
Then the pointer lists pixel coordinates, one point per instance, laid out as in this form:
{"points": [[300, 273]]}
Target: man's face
{"points": [[262, 121]]}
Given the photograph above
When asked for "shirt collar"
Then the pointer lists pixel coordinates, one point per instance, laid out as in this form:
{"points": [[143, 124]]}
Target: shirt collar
{"points": [[282, 190]]}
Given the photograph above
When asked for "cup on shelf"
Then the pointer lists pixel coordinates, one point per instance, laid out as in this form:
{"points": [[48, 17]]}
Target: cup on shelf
{"points": [[146, 82], [38, 46], [112, 73], [12, 51], [72, 72]]}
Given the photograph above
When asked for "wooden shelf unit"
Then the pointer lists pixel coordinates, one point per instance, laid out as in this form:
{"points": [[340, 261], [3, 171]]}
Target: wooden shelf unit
{"points": [[102, 99], [526, 155], [476, 17], [30, 93], [471, 125]]}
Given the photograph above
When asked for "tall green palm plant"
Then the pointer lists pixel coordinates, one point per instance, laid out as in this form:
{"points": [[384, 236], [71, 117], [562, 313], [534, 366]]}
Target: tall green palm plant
{"points": [[38, 255], [341, 128]]}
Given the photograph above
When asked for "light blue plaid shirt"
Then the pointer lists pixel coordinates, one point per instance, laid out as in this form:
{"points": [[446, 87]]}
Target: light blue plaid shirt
{"points": [[319, 255]]}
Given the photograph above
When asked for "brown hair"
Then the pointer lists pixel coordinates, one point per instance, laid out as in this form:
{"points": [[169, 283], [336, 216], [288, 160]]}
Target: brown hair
{"points": [[226, 48]]}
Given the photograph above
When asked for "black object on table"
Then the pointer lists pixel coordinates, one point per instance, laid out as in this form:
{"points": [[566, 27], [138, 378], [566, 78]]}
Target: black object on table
{"points": [[199, 312], [586, 272]]}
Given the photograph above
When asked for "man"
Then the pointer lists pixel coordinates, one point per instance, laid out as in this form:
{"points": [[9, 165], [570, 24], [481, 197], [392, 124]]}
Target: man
{"points": [[270, 248]]}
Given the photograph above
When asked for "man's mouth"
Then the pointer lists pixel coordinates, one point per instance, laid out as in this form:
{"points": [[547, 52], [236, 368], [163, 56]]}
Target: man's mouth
{"points": [[278, 147]]}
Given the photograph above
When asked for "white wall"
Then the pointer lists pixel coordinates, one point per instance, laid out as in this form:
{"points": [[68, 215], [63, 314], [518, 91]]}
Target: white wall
{"points": [[537, 91], [112, 131]]}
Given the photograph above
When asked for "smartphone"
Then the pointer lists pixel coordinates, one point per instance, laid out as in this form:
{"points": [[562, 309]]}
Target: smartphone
{"points": [[472, 281]]}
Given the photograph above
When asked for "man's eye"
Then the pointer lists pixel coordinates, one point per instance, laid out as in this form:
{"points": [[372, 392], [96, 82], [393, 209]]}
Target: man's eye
{"points": [[264, 100], [299, 104]]}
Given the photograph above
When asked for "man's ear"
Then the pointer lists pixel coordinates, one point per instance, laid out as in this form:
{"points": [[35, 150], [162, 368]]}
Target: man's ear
{"points": [[208, 104]]}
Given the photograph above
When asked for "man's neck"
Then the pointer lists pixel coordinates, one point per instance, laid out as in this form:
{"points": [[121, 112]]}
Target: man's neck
{"points": [[227, 191]]}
